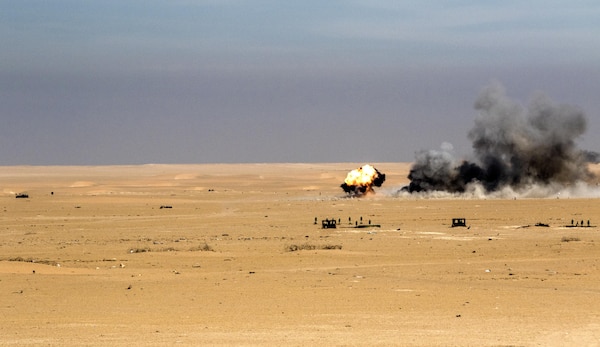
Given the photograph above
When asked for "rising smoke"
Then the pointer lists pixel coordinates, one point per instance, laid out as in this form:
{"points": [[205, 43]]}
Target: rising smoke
{"points": [[513, 147]]}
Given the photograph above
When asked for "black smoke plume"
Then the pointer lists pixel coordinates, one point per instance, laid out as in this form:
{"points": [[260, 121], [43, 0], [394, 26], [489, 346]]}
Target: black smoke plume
{"points": [[513, 146]]}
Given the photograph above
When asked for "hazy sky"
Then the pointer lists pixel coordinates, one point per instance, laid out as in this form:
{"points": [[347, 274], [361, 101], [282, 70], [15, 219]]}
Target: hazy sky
{"points": [[192, 81]]}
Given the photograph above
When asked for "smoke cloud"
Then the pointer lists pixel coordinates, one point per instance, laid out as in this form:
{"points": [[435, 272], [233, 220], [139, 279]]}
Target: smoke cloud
{"points": [[513, 147]]}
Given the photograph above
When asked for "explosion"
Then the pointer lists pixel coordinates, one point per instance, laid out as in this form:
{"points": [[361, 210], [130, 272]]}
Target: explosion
{"points": [[513, 147], [361, 181]]}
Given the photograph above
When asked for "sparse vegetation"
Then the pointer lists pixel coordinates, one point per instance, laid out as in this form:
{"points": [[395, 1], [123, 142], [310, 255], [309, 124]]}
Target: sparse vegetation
{"points": [[570, 238], [32, 260], [331, 247], [147, 249], [166, 249], [139, 250], [309, 247], [202, 248]]}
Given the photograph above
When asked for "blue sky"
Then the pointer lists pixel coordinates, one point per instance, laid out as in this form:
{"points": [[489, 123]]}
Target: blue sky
{"points": [[182, 81]]}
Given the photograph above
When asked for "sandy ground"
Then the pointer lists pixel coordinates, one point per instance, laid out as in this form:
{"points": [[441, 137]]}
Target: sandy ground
{"points": [[234, 258]]}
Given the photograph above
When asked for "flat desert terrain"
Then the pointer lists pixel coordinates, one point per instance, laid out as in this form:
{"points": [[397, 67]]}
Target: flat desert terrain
{"points": [[230, 255]]}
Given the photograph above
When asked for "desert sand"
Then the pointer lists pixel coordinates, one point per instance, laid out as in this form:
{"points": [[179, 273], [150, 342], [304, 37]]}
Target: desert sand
{"points": [[230, 254]]}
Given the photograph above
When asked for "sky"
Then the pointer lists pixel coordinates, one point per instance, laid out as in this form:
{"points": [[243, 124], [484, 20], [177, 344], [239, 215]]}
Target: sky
{"points": [[111, 82]]}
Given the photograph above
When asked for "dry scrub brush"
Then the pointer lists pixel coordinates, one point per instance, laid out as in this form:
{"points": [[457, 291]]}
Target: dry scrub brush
{"points": [[310, 247], [570, 238], [200, 248]]}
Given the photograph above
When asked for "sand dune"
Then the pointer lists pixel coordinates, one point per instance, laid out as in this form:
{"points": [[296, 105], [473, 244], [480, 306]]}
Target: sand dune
{"points": [[229, 254]]}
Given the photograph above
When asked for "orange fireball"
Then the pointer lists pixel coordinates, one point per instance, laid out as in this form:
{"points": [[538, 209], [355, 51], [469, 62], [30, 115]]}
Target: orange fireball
{"points": [[361, 181]]}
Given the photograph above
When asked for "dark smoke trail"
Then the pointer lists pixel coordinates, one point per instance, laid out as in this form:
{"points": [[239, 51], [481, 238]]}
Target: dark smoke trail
{"points": [[513, 146]]}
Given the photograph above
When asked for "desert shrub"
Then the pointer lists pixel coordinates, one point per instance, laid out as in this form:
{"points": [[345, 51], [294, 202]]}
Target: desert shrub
{"points": [[32, 260], [331, 247], [309, 247], [21, 259], [570, 238], [202, 248], [139, 250], [304, 246], [166, 249], [147, 249]]}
